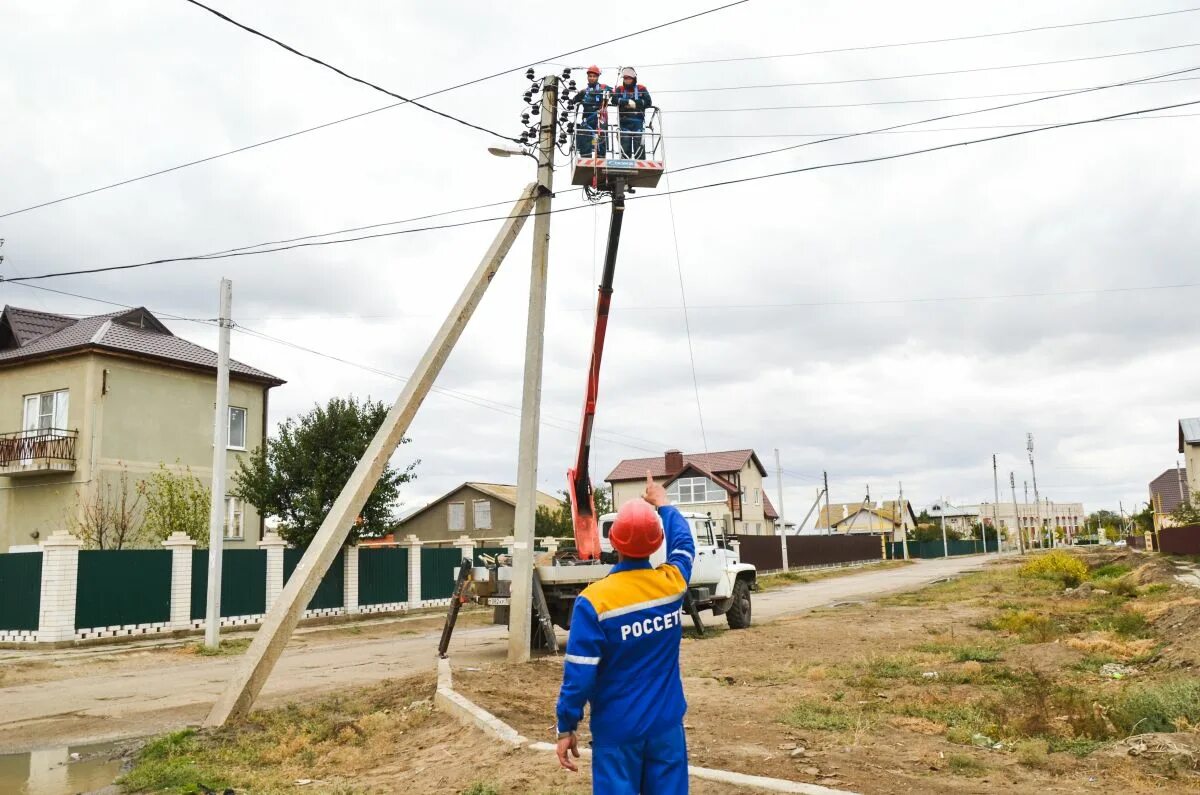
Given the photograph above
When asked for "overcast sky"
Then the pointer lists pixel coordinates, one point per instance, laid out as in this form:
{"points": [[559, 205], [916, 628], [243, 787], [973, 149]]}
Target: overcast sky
{"points": [[813, 310]]}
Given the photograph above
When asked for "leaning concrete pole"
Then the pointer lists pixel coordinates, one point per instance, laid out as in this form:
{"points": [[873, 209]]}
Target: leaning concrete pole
{"points": [[520, 606], [279, 622]]}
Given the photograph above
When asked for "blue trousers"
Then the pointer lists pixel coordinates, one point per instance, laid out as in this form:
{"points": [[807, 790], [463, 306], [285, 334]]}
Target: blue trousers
{"points": [[631, 137], [656, 765], [588, 140]]}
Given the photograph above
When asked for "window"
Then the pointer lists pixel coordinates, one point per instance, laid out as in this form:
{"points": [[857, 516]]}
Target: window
{"points": [[483, 514], [235, 518], [46, 412], [758, 496], [458, 516], [693, 490], [237, 428]]}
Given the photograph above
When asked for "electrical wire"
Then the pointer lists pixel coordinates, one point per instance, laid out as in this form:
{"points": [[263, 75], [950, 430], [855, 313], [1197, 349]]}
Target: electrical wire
{"points": [[687, 326], [970, 37], [324, 125], [723, 183], [403, 99], [974, 70], [675, 111]]}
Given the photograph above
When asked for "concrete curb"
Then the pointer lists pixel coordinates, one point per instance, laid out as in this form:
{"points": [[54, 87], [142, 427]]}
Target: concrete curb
{"points": [[474, 716]]}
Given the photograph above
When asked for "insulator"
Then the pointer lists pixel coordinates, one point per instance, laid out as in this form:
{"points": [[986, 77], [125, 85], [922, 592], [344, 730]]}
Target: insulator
{"points": [[562, 139], [528, 96], [571, 84], [529, 74], [536, 110], [524, 137], [525, 118], [566, 74], [571, 127]]}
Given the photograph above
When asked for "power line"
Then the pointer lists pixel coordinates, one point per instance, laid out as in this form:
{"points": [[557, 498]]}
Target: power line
{"points": [[676, 111], [927, 74], [910, 132], [970, 37], [822, 166], [369, 112], [943, 117], [403, 99]]}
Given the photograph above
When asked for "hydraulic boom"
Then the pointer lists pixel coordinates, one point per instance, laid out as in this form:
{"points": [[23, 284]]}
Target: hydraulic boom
{"points": [[579, 481]]}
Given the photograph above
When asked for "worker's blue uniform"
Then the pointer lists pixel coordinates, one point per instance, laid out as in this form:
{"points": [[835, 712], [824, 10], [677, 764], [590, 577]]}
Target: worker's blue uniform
{"points": [[633, 120], [591, 133], [623, 658]]}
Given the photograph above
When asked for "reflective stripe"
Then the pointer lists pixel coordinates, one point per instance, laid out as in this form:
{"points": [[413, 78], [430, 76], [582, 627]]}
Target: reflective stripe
{"points": [[620, 611], [690, 556], [575, 658]]}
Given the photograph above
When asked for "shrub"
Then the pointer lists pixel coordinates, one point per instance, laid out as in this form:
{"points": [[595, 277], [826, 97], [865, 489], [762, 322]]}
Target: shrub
{"points": [[1160, 707], [1056, 565], [1129, 623], [1032, 627], [965, 765], [1111, 570], [1033, 753]]}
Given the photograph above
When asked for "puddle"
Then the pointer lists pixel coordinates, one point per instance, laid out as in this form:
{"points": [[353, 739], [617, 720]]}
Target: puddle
{"points": [[61, 771]]}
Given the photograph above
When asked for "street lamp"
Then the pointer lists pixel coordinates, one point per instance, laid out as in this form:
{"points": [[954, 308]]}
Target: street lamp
{"points": [[500, 151]]}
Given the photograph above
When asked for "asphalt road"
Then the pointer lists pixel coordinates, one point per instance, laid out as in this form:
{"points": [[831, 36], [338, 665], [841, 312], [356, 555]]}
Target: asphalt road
{"points": [[120, 694]]}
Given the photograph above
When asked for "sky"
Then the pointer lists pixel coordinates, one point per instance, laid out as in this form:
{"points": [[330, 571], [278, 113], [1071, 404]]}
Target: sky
{"points": [[897, 321]]}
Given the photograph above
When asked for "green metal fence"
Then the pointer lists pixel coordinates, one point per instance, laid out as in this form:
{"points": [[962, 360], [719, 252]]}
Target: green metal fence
{"points": [[382, 575], [438, 568], [934, 549], [123, 587], [243, 582], [331, 592], [20, 590]]}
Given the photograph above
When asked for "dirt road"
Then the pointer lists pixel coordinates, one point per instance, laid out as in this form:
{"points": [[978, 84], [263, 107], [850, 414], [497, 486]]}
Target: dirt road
{"points": [[108, 695]]}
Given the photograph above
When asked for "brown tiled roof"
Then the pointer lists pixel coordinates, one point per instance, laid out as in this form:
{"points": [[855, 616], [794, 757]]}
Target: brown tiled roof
{"points": [[134, 331], [1168, 485], [769, 509], [501, 491], [727, 461], [27, 325]]}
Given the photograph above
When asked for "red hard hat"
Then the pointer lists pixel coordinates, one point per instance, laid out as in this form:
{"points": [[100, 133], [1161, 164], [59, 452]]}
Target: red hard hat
{"points": [[636, 533], [593, 70]]}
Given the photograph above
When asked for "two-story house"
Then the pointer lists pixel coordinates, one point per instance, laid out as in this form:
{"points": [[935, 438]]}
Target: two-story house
{"points": [[478, 510], [729, 485], [84, 400]]}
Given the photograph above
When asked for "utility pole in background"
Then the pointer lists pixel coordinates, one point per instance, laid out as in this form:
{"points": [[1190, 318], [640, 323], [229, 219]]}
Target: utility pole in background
{"points": [[216, 509], [945, 543], [1026, 483], [828, 515], [1036, 495], [1012, 484], [779, 510], [995, 505], [903, 519], [519, 613]]}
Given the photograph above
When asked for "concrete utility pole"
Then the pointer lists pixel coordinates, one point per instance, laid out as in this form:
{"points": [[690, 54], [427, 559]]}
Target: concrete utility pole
{"points": [[903, 519], [995, 505], [216, 509], [1026, 503], [782, 525], [1012, 483], [945, 543], [1183, 495], [1036, 496], [281, 619], [828, 515], [520, 608]]}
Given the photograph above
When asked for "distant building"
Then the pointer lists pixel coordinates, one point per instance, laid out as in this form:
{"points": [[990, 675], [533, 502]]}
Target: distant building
{"points": [[1067, 516], [858, 517], [1189, 448], [1171, 488], [478, 510]]}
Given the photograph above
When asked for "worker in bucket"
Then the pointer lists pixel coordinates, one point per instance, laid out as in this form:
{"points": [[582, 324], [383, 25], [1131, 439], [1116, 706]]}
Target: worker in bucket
{"points": [[623, 657], [631, 98], [593, 122]]}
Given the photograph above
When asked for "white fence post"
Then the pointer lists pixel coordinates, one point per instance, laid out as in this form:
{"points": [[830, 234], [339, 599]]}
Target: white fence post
{"points": [[60, 573], [350, 576], [274, 545], [181, 546], [550, 544], [466, 549], [414, 570], [509, 543]]}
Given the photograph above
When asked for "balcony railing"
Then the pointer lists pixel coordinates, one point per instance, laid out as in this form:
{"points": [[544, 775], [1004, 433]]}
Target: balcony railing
{"points": [[45, 449]]}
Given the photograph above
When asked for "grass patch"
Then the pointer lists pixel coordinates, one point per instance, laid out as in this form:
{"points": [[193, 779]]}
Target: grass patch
{"points": [[480, 788], [784, 578], [1033, 753], [1028, 625], [1154, 588], [821, 716], [1113, 570], [710, 630], [1056, 565], [165, 764], [975, 654], [1129, 624], [891, 667], [225, 648], [963, 765], [1158, 707], [1077, 746]]}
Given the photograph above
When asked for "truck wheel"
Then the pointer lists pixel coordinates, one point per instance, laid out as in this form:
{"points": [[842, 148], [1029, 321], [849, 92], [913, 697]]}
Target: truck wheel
{"points": [[738, 614]]}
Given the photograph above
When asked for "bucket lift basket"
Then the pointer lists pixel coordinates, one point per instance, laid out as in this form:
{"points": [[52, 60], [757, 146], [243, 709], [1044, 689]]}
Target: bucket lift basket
{"points": [[598, 171]]}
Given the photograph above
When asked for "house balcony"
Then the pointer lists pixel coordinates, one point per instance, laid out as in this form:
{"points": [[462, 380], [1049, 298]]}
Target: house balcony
{"points": [[37, 452]]}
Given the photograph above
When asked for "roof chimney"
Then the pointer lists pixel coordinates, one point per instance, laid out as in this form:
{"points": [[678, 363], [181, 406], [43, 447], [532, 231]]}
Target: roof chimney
{"points": [[674, 461]]}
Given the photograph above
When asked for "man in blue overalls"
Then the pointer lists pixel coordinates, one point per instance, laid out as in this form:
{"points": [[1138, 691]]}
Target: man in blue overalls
{"points": [[632, 99], [623, 657], [593, 122]]}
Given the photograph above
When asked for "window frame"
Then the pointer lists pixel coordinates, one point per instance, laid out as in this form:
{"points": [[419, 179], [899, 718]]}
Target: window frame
{"points": [[60, 407], [450, 516], [676, 491], [234, 507], [229, 445], [475, 514]]}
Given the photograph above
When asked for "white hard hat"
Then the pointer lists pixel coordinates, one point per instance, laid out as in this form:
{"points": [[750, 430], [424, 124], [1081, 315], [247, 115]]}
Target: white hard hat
{"points": [[629, 71]]}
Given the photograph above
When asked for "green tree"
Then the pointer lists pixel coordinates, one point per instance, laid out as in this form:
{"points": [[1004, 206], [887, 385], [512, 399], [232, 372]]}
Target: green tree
{"points": [[1189, 511], [557, 521], [176, 502], [303, 468]]}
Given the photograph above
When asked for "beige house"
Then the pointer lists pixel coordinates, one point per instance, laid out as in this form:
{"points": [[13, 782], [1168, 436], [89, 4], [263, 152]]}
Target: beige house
{"points": [[728, 485], [860, 517], [83, 400], [1189, 447], [478, 510], [1067, 517]]}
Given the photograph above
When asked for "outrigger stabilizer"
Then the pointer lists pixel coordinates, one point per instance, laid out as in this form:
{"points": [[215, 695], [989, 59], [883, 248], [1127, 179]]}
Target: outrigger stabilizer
{"points": [[579, 481]]}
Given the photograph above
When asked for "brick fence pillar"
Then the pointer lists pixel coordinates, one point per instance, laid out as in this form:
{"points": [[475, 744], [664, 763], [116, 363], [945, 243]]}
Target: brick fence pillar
{"points": [[181, 546], [60, 573], [466, 551], [274, 545], [550, 544], [350, 578], [414, 570]]}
